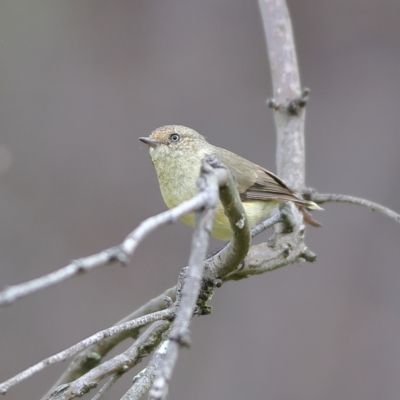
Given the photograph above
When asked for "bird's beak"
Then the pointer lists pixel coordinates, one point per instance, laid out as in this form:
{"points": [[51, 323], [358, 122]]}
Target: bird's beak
{"points": [[149, 141]]}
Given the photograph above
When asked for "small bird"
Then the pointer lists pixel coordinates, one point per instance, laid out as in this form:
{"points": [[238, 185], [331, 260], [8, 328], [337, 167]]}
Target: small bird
{"points": [[176, 152]]}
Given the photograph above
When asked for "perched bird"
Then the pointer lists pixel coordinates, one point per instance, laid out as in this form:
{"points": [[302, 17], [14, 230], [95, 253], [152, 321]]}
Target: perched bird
{"points": [[176, 152]]}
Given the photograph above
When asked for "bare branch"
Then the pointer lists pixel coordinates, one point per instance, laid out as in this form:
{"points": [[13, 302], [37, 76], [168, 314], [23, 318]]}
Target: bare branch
{"points": [[144, 379], [121, 253], [290, 157], [284, 249], [71, 351], [120, 364], [209, 179], [113, 378], [264, 225], [92, 356], [342, 198], [289, 112]]}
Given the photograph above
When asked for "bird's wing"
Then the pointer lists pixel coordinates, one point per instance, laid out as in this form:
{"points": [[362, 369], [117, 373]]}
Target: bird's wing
{"points": [[255, 183], [268, 186]]}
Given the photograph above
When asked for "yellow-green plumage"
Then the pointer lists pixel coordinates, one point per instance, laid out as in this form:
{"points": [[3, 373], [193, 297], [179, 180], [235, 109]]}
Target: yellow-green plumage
{"points": [[177, 163]]}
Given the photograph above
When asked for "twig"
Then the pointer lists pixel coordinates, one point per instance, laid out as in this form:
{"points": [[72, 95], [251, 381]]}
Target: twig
{"points": [[120, 364], [121, 253], [143, 381], [342, 198], [284, 249], [78, 347], [264, 225], [106, 386], [93, 355]]}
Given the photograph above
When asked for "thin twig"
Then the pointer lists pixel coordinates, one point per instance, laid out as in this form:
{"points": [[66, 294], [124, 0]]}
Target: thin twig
{"points": [[264, 225], [342, 198], [119, 364], [106, 386], [121, 253], [144, 379], [92, 356], [78, 347]]}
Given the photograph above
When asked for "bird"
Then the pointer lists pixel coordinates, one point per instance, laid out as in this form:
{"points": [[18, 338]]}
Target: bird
{"points": [[177, 151]]}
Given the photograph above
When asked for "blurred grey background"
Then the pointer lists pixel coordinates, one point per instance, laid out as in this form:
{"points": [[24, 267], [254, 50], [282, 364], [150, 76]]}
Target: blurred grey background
{"points": [[80, 81]]}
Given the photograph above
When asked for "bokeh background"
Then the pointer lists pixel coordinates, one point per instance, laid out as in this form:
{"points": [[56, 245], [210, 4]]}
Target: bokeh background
{"points": [[80, 81]]}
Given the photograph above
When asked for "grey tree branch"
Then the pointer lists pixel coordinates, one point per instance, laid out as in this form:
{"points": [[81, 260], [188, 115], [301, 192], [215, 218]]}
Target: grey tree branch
{"points": [[290, 155], [189, 293], [268, 223], [92, 356], [288, 105], [71, 351], [284, 249], [121, 253], [120, 364], [145, 378], [260, 259], [342, 198], [113, 379]]}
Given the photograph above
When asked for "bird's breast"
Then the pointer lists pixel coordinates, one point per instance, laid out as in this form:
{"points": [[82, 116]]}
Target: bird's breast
{"points": [[177, 180]]}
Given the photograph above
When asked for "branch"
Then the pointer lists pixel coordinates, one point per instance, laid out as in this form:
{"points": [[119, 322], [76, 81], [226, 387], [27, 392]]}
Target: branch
{"points": [[118, 365], [289, 112], [342, 198], [290, 156], [144, 379], [283, 249], [106, 386], [92, 356], [262, 226], [206, 200], [76, 348], [121, 253]]}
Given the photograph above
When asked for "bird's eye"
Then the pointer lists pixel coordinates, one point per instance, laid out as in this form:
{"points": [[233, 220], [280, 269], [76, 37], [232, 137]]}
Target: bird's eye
{"points": [[174, 137]]}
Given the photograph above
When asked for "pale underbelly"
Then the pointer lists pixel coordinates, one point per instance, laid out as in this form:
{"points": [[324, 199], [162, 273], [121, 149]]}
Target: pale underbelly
{"points": [[255, 212]]}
